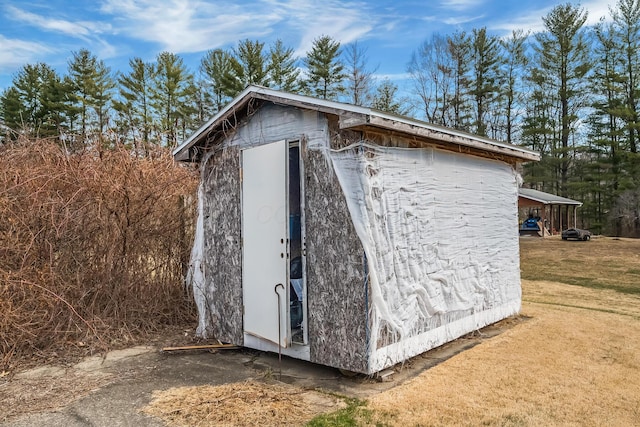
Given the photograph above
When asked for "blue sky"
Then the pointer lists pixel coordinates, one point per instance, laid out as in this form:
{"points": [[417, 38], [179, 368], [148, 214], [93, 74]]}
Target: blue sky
{"points": [[117, 30]]}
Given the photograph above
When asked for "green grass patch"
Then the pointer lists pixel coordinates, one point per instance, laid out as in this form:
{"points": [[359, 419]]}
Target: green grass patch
{"points": [[355, 414]]}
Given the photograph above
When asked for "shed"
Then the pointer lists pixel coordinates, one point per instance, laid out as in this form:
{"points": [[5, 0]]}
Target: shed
{"points": [[552, 212], [346, 236]]}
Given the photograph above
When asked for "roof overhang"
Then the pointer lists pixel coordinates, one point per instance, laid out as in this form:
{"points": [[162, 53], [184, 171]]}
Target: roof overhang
{"points": [[350, 117], [545, 198]]}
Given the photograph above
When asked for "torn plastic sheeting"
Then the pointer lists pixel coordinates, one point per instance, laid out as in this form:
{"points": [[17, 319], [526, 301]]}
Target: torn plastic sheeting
{"points": [[195, 277], [438, 231]]}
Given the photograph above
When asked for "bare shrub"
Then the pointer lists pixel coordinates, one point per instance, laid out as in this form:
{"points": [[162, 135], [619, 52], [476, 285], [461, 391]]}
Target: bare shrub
{"points": [[92, 248]]}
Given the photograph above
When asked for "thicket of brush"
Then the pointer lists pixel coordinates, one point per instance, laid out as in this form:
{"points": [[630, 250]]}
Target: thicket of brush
{"points": [[93, 248]]}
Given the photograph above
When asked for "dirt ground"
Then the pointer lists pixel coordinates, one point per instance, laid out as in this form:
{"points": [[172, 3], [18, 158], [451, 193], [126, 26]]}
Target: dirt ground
{"points": [[571, 358]]}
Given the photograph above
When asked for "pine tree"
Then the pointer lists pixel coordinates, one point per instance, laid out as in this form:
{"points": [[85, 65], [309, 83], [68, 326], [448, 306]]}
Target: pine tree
{"points": [[563, 54], [485, 59], [512, 69], [248, 66], [10, 114], [91, 89], [102, 97], [172, 98], [283, 72], [32, 105], [539, 131], [214, 66], [386, 99], [325, 71], [134, 105], [602, 164], [626, 19], [459, 50], [81, 72]]}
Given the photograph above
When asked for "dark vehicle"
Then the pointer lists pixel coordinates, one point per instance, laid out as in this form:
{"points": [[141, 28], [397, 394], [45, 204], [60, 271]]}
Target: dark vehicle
{"points": [[576, 233]]}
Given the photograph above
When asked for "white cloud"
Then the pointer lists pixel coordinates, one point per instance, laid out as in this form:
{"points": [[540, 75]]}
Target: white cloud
{"points": [[16, 53], [532, 20], [460, 5], [79, 29], [182, 26], [597, 9], [394, 77], [345, 21], [460, 20]]}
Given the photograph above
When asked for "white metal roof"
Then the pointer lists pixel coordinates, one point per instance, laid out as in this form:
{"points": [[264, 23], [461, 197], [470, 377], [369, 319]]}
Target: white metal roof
{"points": [[546, 198], [368, 117]]}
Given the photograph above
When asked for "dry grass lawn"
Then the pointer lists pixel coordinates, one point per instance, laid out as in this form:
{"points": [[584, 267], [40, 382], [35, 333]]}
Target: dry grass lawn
{"points": [[248, 404], [575, 362]]}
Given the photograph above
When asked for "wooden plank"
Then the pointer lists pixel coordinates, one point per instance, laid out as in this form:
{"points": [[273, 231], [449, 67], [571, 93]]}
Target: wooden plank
{"points": [[202, 347]]}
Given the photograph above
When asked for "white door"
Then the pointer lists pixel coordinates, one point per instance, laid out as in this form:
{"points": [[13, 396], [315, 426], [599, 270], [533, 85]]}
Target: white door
{"points": [[264, 247]]}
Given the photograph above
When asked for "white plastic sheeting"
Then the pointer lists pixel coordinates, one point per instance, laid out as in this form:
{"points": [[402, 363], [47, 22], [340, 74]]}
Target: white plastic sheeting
{"points": [[195, 277], [275, 123], [439, 232]]}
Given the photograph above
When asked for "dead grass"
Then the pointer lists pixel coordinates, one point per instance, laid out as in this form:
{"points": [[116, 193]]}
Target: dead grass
{"points": [[239, 404], [602, 263], [576, 362]]}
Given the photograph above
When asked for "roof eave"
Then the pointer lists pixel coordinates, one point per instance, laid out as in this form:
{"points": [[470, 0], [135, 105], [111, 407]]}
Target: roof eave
{"points": [[435, 133], [181, 152], [352, 116], [548, 202]]}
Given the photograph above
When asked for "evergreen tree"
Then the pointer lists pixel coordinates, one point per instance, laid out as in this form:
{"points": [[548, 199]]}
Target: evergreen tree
{"points": [[564, 56], [32, 105], [283, 72], [214, 66], [325, 71], [602, 173], [11, 122], [386, 99], [172, 98], [626, 18], [248, 66], [91, 86], [134, 104], [539, 131], [82, 75], [459, 49], [512, 69], [102, 97], [485, 58]]}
